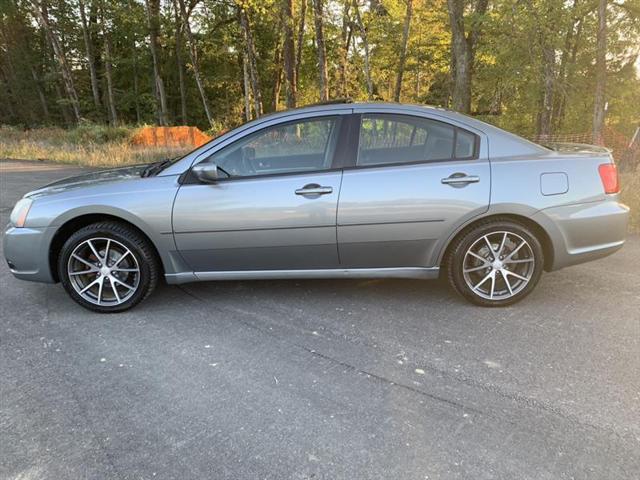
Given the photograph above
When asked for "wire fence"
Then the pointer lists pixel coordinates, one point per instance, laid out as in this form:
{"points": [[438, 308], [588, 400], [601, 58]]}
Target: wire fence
{"points": [[625, 150]]}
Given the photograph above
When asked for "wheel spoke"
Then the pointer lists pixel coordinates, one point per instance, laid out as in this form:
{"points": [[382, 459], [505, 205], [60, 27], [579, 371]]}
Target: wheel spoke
{"points": [[487, 276], [93, 249], [474, 269], [122, 283], [120, 259], [515, 251], [115, 290], [90, 285], [106, 251], [479, 257], [84, 272], [100, 286], [486, 239], [523, 260], [124, 269], [493, 285], [504, 240], [508, 272], [506, 280], [80, 259]]}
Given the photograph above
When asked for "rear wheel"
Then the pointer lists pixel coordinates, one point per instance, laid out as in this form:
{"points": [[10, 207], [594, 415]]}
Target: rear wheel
{"points": [[495, 263], [108, 267]]}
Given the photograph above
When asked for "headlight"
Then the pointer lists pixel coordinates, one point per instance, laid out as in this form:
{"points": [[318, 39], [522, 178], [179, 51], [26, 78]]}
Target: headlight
{"points": [[20, 212]]}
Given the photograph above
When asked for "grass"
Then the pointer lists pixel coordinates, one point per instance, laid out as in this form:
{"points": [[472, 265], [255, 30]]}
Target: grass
{"points": [[101, 146], [88, 145]]}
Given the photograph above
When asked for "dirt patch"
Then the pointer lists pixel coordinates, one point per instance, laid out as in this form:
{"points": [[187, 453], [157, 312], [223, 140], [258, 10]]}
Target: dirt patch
{"points": [[170, 137]]}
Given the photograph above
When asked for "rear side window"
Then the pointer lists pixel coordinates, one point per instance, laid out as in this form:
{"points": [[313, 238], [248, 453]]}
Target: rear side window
{"points": [[389, 139]]}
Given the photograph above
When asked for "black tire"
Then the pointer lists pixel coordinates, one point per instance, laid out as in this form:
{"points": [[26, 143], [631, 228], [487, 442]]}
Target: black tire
{"points": [[494, 230], [140, 249]]}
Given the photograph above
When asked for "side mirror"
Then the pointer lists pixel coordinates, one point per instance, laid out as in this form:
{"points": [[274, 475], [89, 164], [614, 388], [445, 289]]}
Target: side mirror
{"points": [[206, 172]]}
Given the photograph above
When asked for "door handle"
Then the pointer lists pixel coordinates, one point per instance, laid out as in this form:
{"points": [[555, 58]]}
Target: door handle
{"points": [[460, 179], [314, 189]]}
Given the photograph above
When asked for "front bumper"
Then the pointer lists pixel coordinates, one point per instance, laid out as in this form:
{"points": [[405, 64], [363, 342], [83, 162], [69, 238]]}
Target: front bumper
{"points": [[27, 253], [584, 232]]}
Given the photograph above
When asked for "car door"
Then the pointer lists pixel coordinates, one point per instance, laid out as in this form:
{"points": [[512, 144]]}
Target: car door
{"points": [[274, 207], [413, 181]]}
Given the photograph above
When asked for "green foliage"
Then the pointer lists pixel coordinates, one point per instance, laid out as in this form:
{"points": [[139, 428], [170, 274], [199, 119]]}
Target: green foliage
{"points": [[508, 72]]}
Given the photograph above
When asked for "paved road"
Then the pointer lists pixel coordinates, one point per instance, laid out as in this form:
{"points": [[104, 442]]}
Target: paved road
{"points": [[322, 379]]}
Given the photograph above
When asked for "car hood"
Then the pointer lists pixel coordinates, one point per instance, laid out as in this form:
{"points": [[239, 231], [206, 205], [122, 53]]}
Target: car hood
{"points": [[89, 179]]}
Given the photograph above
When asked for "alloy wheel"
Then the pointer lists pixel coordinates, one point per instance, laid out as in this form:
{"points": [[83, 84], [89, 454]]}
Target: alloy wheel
{"points": [[103, 271], [498, 265]]}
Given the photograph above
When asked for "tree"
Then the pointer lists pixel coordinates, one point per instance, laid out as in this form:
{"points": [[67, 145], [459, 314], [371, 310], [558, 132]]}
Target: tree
{"points": [[179, 62], [250, 55], [193, 54], [39, 10], [403, 50], [599, 105], [463, 48], [323, 78], [91, 61], [289, 53], [365, 45], [153, 19]]}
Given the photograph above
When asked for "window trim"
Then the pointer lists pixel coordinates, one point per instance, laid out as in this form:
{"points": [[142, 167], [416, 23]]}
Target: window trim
{"points": [[456, 128]]}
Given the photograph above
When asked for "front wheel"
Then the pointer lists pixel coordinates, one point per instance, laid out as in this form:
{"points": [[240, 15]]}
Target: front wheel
{"points": [[108, 267], [495, 263]]}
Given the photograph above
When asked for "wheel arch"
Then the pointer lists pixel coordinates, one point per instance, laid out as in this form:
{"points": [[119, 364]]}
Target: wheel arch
{"points": [[541, 234], [72, 225]]}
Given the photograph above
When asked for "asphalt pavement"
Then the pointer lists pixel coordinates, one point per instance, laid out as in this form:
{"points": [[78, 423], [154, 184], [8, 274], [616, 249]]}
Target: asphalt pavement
{"points": [[321, 379]]}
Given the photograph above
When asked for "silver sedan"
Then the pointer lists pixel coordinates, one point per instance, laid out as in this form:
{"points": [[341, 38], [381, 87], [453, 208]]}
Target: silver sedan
{"points": [[330, 191]]}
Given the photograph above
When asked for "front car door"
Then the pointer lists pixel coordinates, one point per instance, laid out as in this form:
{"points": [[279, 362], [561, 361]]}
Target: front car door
{"points": [[415, 178], [275, 208]]}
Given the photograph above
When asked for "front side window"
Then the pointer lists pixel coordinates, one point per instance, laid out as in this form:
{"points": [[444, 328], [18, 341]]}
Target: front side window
{"points": [[390, 138], [304, 145]]}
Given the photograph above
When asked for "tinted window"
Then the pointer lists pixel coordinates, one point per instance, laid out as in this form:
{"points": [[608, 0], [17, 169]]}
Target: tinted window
{"points": [[305, 145], [465, 144], [386, 138]]}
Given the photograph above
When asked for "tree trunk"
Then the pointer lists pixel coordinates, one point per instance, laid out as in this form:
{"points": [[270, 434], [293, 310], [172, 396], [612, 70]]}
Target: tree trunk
{"points": [[323, 78], [544, 117], [180, 64], [463, 47], [277, 81], [599, 106], [153, 14], [193, 54], [113, 115], [88, 45], [246, 88], [344, 53], [403, 50], [365, 44], [289, 53], [251, 58], [41, 95], [40, 13], [461, 81], [300, 39]]}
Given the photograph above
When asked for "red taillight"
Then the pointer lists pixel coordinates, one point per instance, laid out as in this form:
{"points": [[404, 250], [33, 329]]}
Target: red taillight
{"points": [[609, 176]]}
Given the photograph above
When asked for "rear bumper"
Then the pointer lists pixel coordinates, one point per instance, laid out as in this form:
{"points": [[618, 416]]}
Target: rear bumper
{"points": [[584, 232], [26, 250]]}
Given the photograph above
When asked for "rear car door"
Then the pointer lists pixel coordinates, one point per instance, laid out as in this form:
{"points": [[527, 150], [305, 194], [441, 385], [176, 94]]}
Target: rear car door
{"points": [[276, 210], [413, 181]]}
